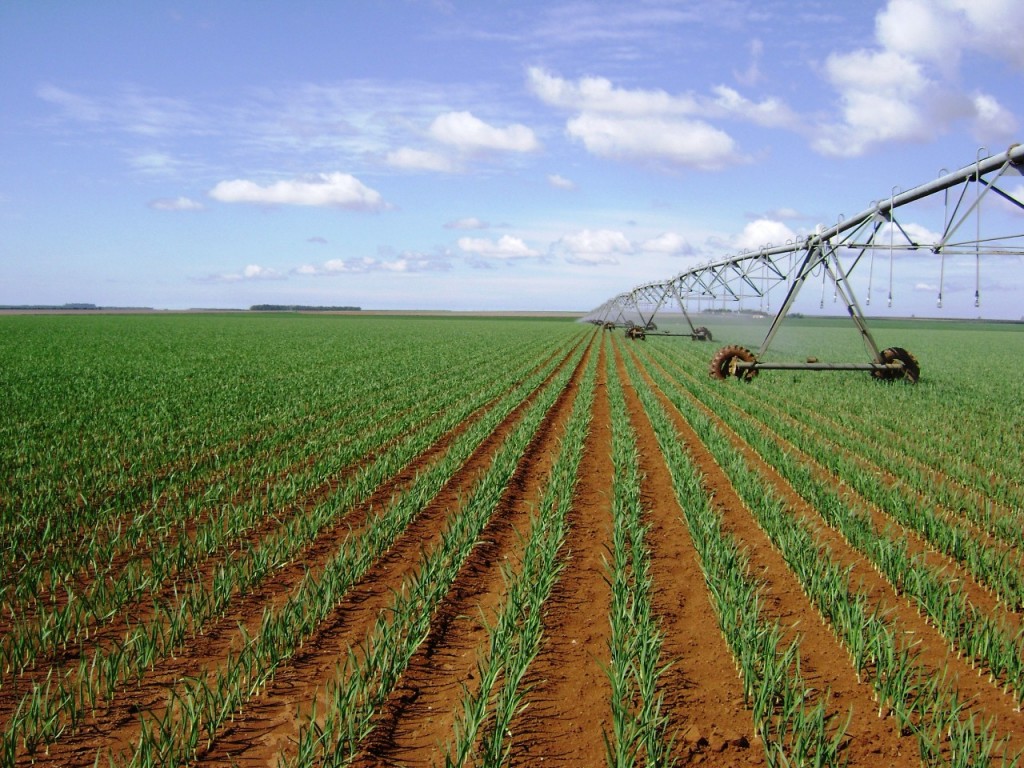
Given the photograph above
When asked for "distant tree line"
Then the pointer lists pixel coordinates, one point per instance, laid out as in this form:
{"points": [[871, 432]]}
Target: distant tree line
{"points": [[299, 308]]}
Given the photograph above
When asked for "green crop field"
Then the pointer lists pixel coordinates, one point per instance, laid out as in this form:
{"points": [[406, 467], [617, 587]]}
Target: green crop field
{"points": [[309, 539]]}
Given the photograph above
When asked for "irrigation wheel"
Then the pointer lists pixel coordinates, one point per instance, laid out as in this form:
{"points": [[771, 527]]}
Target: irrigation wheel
{"points": [[911, 370], [637, 333], [700, 333], [722, 364]]}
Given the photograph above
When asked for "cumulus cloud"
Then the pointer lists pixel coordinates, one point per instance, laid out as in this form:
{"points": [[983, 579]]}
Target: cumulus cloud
{"points": [[598, 94], [652, 124], [917, 28], [992, 119], [762, 232], [880, 92], [420, 160], [560, 182], [469, 133], [252, 272], [506, 247], [595, 247], [469, 222], [408, 262], [906, 234], [680, 142], [175, 204], [907, 88], [669, 243], [770, 113], [325, 189]]}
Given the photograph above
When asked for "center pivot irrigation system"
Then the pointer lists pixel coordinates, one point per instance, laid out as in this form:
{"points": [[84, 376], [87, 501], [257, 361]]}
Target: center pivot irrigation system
{"points": [[882, 232]]}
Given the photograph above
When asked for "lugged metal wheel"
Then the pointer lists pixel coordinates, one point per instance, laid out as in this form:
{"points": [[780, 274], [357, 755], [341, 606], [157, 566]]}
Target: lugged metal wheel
{"points": [[700, 333], [722, 363], [911, 370], [637, 333]]}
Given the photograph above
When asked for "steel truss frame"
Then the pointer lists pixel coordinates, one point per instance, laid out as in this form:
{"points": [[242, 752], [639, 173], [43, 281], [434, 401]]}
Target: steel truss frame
{"points": [[833, 254]]}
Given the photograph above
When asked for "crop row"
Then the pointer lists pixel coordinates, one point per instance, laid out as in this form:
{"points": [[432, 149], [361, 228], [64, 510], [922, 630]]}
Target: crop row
{"points": [[482, 727]]}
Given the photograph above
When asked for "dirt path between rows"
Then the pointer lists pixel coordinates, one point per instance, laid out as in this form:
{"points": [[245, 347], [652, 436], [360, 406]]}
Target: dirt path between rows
{"points": [[567, 708]]}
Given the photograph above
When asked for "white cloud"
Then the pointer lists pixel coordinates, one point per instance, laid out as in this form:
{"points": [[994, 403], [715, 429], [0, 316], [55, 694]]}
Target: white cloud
{"points": [[597, 94], [653, 125], [992, 119], [603, 246], [469, 222], [251, 272], [907, 233], [669, 243], [770, 113], [763, 232], [881, 94], [917, 28], [1016, 192], [506, 247], [130, 110], [908, 88], [560, 182], [992, 27], [420, 160], [468, 133], [175, 204], [326, 189], [690, 143], [408, 262]]}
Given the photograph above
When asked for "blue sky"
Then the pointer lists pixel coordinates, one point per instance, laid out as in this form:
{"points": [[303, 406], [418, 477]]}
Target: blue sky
{"points": [[475, 155]]}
